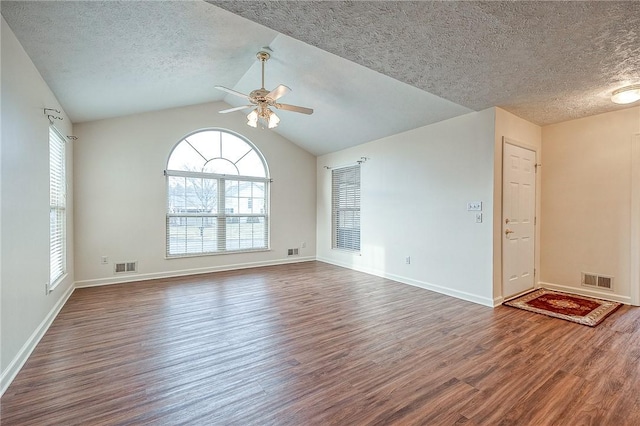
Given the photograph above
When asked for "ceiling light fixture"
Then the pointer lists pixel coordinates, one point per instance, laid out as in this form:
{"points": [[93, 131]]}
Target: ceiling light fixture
{"points": [[626, 95], [264, 115]]}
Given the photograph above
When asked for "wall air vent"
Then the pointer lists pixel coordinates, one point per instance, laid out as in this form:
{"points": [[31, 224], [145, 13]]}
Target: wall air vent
{"points": [[605, 282], [590, 280], [292, 252], [124, 267], [597, 281]]}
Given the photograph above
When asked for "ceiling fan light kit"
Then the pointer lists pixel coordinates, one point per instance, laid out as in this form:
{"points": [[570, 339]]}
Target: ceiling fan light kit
{"points": [[626, 95], [265, 116], [263, 100]]}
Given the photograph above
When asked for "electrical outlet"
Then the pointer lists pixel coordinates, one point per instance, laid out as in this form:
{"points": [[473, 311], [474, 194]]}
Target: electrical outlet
{"points": [[478, 217], [104, 260], [407, 260], [303, 245]]}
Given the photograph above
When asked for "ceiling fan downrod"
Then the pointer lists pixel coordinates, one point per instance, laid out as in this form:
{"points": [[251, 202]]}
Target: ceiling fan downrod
{"points": [[263, 57]]}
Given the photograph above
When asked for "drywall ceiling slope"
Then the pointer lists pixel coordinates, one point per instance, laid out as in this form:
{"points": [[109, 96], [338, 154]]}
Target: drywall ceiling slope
{"points": [[546, 62], [352, 104]]}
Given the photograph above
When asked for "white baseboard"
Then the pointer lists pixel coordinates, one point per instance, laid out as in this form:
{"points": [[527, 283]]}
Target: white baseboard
{"points": [[469, 297], [194, 271], [583, 291], [19, 360]]}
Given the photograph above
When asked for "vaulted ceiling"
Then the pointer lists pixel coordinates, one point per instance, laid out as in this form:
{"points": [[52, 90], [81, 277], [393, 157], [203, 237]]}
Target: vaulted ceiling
{"points": [[369, 68]]}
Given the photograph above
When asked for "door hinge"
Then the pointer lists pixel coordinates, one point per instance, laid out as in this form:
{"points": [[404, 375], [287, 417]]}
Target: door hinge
{"points": [[535, 220], [534, 272]]}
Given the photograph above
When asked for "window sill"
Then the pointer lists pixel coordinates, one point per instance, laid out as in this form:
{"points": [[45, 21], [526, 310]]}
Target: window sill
{"points": [[56, 283], [346, 251], [219, 253]]}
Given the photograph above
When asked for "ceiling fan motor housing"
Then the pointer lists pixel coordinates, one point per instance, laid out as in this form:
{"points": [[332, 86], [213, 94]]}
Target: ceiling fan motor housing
{"points": [[259, 95]]}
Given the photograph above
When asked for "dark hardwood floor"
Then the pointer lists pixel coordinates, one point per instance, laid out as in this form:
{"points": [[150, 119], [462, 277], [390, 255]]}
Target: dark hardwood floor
{"points": [[315, 344]]}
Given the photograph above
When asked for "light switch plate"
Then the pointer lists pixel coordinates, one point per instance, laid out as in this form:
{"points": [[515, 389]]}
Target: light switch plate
{"points": [[475, 206]]}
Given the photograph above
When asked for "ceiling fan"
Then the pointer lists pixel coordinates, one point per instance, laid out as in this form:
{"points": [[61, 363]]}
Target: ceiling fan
{"points": [[262, 99]]}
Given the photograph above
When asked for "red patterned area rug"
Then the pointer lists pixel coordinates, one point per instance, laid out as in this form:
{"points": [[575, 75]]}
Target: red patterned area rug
{"points": [[570, 307]]}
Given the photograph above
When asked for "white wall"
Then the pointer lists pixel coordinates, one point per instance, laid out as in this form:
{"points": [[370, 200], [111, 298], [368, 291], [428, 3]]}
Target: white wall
{"points": [[586, 201], [26, 310], [525, 134], [414, 192], [121, 194]]}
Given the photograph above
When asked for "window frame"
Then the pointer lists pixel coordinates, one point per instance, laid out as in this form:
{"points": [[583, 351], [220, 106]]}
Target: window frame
{"points": [[57, 208], [222, 216], [348, 201]]}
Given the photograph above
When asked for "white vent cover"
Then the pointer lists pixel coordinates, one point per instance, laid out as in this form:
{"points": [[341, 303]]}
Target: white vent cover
{"points": [[124, 267], [599, 281], [292, 252]]}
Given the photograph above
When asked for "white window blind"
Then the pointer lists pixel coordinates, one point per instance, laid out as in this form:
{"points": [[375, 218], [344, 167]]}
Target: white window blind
{"points": [[345, 223], [217, 196], [57, 207]]}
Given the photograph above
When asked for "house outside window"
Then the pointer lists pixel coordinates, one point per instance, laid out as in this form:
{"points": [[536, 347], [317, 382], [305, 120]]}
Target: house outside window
{"points": [[211, 176]]}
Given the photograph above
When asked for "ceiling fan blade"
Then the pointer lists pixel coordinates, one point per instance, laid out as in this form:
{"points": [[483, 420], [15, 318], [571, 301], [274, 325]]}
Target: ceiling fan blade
{"points": [[294, 108], [278, 92], [233, 92], [224, 111]]}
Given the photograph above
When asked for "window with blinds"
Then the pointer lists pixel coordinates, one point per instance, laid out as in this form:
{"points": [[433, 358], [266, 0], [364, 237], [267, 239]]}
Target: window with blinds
{"points": [[57, 208], [217, 196], [345, 222]]}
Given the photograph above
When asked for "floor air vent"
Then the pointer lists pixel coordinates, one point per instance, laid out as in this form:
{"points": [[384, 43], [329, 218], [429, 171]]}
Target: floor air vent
{"points": [[598, 281], [124, 267]]}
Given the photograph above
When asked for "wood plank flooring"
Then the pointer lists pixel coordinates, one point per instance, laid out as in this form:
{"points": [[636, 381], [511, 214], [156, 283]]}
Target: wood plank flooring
{"points": [[315, 344]]}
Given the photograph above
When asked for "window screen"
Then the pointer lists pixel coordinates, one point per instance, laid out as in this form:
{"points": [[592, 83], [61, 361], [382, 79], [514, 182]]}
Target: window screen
{"points": [[346, 208]]}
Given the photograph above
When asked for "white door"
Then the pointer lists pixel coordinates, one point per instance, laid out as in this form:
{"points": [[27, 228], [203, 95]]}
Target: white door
{"points": [[518, 216]]}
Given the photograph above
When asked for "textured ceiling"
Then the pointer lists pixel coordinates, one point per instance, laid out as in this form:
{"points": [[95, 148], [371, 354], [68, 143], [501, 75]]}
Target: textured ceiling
{"points": [[544, 61], [106, 59], [369, 69]]}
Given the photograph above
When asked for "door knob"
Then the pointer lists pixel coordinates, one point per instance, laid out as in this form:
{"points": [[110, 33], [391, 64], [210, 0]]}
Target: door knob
{"points": [[508, 231]]}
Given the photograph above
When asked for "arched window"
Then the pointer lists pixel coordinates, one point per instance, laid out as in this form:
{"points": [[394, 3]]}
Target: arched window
{"points": [[217, 195]]}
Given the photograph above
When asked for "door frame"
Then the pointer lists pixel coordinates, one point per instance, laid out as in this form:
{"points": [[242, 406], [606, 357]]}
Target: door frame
{"points": [[635, 221], [536, 227]]}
